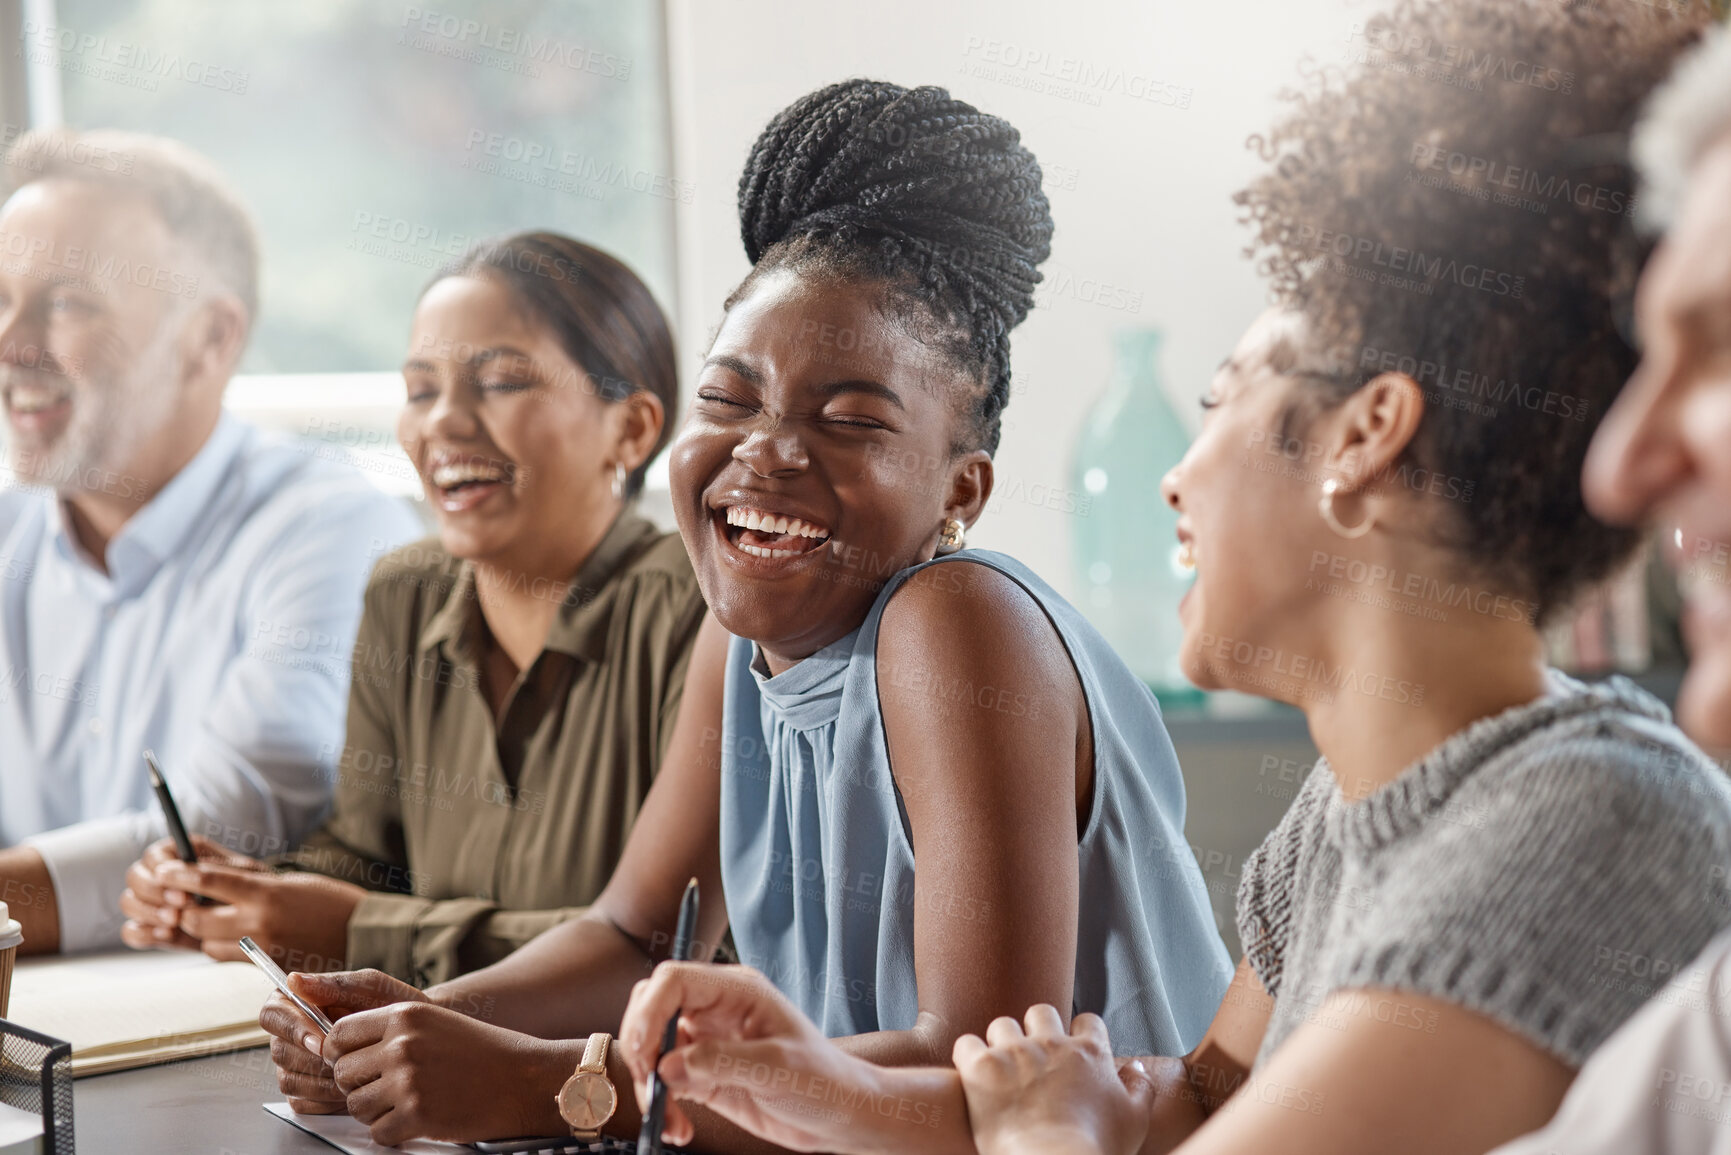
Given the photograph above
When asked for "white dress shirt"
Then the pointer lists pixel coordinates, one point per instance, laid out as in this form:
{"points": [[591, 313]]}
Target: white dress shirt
{"points": [[1660, 1085], [220, 637]]}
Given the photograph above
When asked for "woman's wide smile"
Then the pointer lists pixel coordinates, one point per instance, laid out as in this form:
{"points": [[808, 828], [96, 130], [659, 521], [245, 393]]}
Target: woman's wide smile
{"points": [[765, 537]]}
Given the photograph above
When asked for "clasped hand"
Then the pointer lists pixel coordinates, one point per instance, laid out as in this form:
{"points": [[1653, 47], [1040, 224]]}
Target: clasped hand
{"points": [[404, 1065], [1046, 1089], [300, 919]]}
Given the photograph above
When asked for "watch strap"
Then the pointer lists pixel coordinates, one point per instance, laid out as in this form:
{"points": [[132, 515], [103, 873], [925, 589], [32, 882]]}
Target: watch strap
{"points": [[595, 1053]]}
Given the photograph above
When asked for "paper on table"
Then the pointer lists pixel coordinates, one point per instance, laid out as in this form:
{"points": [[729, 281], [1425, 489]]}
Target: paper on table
{"points": [[20, 1131], [346, 1133], [124, 1009]]}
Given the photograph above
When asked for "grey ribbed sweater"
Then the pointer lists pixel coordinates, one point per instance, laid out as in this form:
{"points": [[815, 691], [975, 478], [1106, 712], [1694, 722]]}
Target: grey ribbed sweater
{"points": [[1549, 867]]}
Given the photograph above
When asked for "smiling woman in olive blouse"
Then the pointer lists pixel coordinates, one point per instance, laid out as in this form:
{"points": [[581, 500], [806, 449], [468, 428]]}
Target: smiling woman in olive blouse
{"points": [[515, 680]]}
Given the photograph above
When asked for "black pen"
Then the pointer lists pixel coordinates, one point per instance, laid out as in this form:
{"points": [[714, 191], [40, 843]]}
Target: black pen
{"points": [[171, 812], [649, 1138]]}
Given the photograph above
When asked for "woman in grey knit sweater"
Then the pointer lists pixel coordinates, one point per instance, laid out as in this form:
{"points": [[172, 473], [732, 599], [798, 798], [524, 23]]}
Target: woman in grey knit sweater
{"points": [[1493, 865]]}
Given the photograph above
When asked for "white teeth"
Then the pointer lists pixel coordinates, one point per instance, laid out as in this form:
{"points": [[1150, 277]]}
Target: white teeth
{"points": [[24, 399], [458, 472], [748, 518]]}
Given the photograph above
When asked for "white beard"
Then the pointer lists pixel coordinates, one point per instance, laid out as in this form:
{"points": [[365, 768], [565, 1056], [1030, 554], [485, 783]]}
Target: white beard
{"points": [[112, 416]]}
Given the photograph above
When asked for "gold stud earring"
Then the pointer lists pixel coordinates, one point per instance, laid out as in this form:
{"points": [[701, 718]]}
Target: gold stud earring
{"points": [[952, 537], [1326, 506]]}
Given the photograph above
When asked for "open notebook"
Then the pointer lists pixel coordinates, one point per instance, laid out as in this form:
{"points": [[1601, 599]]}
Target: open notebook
{"points": [[123, 1009]]}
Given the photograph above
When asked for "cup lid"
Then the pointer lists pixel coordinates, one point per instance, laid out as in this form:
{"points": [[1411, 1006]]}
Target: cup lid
{"points": [[11, 930]]}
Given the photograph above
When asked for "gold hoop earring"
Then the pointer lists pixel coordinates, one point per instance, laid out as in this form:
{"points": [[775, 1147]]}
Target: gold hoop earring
{"points": [[952, 537], [1329, 488], [619, 480]]}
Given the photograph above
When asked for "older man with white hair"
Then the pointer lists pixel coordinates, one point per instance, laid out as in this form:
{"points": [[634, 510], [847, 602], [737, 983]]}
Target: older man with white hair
{"points": [[175, 578], [1662, 1084]]}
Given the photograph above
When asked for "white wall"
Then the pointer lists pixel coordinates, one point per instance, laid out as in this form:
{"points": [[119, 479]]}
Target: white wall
{"points": [[1140, 189]]}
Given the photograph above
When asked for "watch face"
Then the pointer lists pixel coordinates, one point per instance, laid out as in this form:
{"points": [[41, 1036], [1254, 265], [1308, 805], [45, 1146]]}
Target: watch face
{"points": [[587, 1100]]}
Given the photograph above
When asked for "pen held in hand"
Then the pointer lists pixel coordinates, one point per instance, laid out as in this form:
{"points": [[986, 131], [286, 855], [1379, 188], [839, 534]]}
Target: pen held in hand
{"points": [[654, 1119], [171, 815], [279, 980]]}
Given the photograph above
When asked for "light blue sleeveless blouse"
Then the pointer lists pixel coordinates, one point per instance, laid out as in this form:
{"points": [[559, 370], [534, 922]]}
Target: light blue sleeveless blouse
{"points": [[818, 865]]}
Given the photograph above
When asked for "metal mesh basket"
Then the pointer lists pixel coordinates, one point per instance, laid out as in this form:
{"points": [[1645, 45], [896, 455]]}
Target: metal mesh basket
{"points": [[36, 1076]]}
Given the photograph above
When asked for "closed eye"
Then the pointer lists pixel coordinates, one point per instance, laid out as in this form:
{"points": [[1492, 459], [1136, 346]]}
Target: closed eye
{"points": [[715, 398], [855, 422]]}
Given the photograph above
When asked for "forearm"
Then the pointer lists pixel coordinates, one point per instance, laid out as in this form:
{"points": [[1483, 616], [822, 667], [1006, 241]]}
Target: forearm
{"points": [[904, 1096], [922, 1046], [567, 983], [878, 1111], [713, 1133], [547, 1064], [1182, 1102], [908, 1099], [28, 891], [908, 1109]]}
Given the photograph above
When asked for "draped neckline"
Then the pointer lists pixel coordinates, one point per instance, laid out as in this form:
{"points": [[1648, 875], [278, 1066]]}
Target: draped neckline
{"points": [[807, 696]]}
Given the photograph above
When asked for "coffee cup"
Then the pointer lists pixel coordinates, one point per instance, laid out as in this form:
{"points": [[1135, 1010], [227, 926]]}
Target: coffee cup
{"points": [[11, 934]]}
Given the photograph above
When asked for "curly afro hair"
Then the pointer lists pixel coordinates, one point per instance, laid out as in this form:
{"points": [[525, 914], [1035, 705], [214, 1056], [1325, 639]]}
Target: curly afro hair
{"points": [[915, 189], [1456, 205]]}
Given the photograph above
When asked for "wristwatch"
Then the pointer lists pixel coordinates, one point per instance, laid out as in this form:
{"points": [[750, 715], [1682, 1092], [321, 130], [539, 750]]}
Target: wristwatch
{"points": [[588, 1100]]}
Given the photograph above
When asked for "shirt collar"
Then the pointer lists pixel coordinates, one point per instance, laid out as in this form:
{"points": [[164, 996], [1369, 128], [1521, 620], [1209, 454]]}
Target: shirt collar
{"points": [[451, 621], [160, 527], [582, 624]]}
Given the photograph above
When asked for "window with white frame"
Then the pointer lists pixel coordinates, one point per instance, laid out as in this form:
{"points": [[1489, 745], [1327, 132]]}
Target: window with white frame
{"points": [[374, 141]]}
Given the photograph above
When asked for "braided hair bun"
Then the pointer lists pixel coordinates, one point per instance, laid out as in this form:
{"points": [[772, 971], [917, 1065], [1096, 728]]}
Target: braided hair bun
{"points": [[915, 188]]}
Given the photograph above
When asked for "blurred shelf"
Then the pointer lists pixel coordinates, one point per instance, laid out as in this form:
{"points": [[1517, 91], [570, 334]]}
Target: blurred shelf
{"points": [[1257, 720]]}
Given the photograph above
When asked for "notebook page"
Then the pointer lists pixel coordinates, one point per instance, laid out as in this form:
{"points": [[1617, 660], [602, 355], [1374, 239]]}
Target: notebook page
{"points": [[118, 999]]}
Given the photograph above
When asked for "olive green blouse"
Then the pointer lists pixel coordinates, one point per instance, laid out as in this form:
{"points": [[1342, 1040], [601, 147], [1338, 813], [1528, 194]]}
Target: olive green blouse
{"points": [[473, 838]]}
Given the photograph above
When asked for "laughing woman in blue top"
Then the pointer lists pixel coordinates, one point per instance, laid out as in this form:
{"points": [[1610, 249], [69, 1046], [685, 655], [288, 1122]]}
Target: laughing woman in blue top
{"points": [[890, 697], [927, 791]]}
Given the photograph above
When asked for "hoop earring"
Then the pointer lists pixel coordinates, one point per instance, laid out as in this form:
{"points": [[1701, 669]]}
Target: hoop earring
{"points": [[619, 480], [952, 537], [1326, 506]]}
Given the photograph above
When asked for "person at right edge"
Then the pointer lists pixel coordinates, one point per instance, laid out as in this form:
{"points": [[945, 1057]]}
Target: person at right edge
{"points": [[1662, 1084]]}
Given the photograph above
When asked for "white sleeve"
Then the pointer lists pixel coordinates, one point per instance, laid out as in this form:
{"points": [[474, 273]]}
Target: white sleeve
{"points": [[87, 864], [259, 776], [1661, 1084]]}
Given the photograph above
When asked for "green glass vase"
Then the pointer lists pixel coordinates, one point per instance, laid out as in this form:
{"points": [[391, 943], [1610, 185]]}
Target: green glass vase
{"points": [[1124, 535]]}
